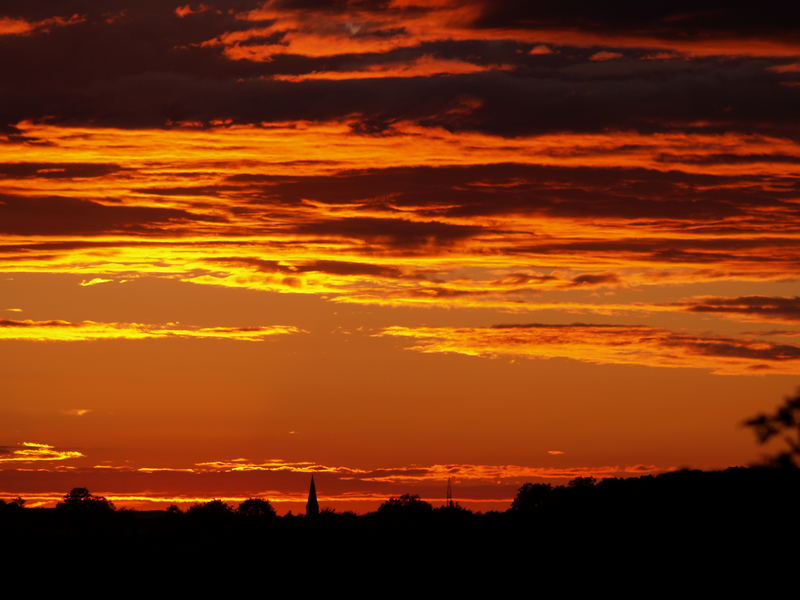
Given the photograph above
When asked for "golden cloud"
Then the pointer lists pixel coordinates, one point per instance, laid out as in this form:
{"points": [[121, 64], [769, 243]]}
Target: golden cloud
{"points": [[608, 344], [34, 452], [67, 331]]}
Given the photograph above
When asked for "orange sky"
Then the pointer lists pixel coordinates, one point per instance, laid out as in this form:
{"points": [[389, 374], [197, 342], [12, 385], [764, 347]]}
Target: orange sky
{"points": [[390, 242]]}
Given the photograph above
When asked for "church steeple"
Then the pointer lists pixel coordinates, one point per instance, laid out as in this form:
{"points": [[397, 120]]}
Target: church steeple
{"points": [[312, 506]]}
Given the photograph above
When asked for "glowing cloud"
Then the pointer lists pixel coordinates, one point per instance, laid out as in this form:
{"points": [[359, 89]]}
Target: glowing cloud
{"points": [[513, 473], [758, 308], [608, 344], [466, 472], [76, 412], [34, 452], [276, 464], [66, 331], [424, 66], [95, 281]]}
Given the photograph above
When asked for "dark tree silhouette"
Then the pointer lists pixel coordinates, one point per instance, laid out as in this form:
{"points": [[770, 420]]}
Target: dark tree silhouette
{"points": [[211, 509], [582, 482], [12, 506], [785, 423], [174, 509], [454, 516], [80, 499], [407, 505], [531, 496], [256, 507]]}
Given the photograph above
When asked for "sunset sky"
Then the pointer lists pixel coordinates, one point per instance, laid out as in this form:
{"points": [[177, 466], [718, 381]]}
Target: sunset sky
{"points": [[389, 242]]}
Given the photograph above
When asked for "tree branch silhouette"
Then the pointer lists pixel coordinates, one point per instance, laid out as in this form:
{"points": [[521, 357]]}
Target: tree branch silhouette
{"points": [[784, 423]]}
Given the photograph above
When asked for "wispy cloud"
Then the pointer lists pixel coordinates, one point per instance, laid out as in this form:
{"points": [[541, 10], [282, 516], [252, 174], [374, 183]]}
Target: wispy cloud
{"points": [[95, 281], [68, 331], [418, 473], [76, 412], [34, 452], [760, 308], [608, 344]]}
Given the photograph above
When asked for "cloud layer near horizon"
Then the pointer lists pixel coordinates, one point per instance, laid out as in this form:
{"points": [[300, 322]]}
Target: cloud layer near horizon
{"points": [[277, 480]]}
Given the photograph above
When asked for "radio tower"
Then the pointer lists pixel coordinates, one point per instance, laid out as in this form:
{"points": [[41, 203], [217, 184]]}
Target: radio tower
{"points": [[450, 503]]}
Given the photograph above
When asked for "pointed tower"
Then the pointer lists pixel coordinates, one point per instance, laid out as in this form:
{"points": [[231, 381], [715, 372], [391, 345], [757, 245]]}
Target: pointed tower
{"points": [[312, 506]]}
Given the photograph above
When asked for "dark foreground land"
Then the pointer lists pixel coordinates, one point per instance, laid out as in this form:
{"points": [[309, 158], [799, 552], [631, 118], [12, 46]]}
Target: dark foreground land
{"points": [[686, 517]]}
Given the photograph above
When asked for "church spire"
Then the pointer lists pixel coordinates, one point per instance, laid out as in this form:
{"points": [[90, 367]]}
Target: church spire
{"points": [[312, 506]]}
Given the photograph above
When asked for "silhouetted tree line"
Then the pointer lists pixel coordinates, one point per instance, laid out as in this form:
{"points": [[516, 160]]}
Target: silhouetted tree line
{"points": [[736, 499], [736, 509]]}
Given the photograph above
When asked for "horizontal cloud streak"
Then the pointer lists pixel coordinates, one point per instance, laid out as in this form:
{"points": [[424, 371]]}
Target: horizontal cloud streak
{"points": [[285, 482], [762, 308], [608, 344], [67, 331], [35, 452]]}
